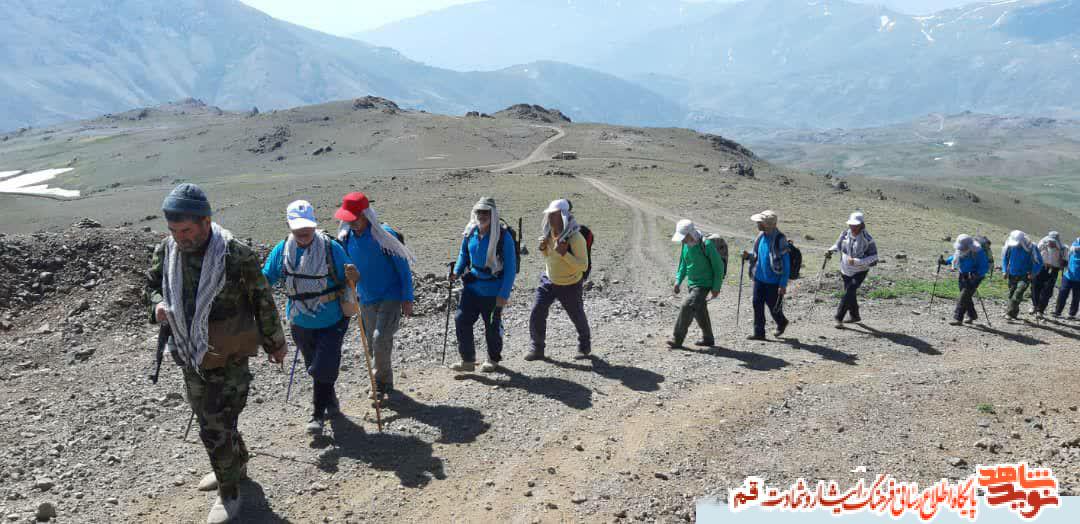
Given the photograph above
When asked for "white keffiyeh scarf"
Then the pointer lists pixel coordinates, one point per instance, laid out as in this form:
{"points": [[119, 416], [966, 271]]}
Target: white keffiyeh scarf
{"points": [[191, 342], [313, 272]]}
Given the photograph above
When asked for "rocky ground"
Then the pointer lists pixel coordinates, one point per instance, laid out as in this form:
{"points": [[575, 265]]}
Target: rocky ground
{"points": [[638, 432]]}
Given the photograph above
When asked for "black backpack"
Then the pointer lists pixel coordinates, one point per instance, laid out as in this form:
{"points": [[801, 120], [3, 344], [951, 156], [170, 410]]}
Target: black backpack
{"points": [[796, 260], [515, 237]]}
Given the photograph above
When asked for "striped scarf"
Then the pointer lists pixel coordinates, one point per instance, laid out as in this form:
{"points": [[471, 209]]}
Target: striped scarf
{"points": [[191, 342], [312, 270]]}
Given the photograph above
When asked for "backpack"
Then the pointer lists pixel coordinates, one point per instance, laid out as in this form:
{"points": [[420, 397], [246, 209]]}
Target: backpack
{"points": [[338, 289], [588, 234], [399, 235], [796, 260], [721, 247], [515, 237], [985, 244]]}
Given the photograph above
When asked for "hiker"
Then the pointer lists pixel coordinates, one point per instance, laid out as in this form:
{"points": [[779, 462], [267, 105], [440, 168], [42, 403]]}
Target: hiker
{"points": [[384, 282], [1020, 262], [312, 267], [209, 288], [858, 253], [488, 269], [701, 265], [566, 259], [971, 260], [770, 268], [1070, 282], [1053, 254]]}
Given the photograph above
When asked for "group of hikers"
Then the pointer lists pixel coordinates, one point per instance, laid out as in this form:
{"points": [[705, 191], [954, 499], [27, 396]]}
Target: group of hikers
{"points": [[215, 298], [216, 301]]}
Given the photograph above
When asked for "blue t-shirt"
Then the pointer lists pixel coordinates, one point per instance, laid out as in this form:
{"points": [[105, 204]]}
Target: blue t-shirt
{"points": [[330, 313], [382, 277]]}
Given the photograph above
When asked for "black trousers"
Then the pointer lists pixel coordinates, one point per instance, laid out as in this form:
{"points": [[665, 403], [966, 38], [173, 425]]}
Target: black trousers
{"points": [[1042, 289], [965, 305], [849, 303]]}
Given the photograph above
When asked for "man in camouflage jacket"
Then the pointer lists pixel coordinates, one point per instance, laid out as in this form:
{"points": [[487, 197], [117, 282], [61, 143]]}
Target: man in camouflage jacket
{"points": [[233, 322]]}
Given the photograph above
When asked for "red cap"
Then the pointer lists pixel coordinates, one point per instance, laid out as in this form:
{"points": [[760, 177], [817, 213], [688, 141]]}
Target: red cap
{"points": [[352, 206]]}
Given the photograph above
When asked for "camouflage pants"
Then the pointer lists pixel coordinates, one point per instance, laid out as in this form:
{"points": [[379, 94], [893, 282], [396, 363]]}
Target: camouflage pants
{"points": [[217, 398]]}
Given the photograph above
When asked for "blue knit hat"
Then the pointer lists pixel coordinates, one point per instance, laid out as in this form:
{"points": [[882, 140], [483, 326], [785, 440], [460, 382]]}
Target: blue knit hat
{"points": [[187, 199]]}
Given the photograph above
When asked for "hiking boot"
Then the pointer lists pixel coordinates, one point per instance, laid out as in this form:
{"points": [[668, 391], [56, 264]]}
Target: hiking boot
{"points": [[463, 366], [209, 481], [674, 345], [534, 355], [854, 320], [780, 328], [970, 320], [315, 426], [582, 354], [1031, 310], [839, 324], [955, 322], [224, 510], [1056, 314], [489, 367], [705, 343], [756, 337]]}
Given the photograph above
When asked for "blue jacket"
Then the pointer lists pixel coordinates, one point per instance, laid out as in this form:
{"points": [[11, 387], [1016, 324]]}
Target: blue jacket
{"points": [[763, 270], [1019, 261], [975, 262], [1072, 270], [473, 257], [330, 314], [382, 277]]}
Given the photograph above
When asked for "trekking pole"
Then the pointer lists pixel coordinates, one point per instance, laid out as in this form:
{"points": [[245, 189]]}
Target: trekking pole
{"points": [[449, 299], [983, 304], [371, 374], [813, 301], [189, 421], [738, 302], [292, 373], [933, 289]]}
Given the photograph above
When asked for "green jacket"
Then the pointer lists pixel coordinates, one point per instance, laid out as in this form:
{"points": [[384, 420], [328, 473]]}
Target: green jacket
{"points": [[243, 315], [701, 265]]}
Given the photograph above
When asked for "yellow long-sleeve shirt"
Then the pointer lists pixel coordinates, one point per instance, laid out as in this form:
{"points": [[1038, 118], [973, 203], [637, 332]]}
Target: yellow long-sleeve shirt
{"points": [[568, 269]]}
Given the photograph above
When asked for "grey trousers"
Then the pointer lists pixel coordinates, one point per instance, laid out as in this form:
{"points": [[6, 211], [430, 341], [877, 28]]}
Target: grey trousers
{"points": [[694, 308], [381, 321]]}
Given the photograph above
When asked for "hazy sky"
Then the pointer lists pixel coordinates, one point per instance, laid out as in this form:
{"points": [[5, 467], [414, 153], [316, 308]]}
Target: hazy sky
{"points": [[345, 17]]}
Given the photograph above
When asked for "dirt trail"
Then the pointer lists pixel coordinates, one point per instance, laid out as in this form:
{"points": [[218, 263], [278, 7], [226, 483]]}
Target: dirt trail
{"points": [[539, 154]]}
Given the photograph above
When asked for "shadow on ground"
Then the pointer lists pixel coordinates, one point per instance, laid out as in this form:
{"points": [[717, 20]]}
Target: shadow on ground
{"points": [[632, 377], [899, 339], [256, 507], [572, 394], [825, 352], [456, 424], [410, 458], [748, 359]]}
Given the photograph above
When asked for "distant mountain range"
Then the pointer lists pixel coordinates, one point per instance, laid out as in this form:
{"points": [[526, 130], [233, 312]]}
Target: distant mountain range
{"points": [[493, 34], [707, 65], [70, 59], [802, 63]]}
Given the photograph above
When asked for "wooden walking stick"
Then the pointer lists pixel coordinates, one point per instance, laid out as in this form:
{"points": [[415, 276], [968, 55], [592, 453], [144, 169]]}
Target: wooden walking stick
{"points": [[371, 373]]}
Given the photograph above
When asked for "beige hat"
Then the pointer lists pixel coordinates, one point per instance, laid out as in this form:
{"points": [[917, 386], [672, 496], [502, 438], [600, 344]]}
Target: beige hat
{"points": [[768, 216]]}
